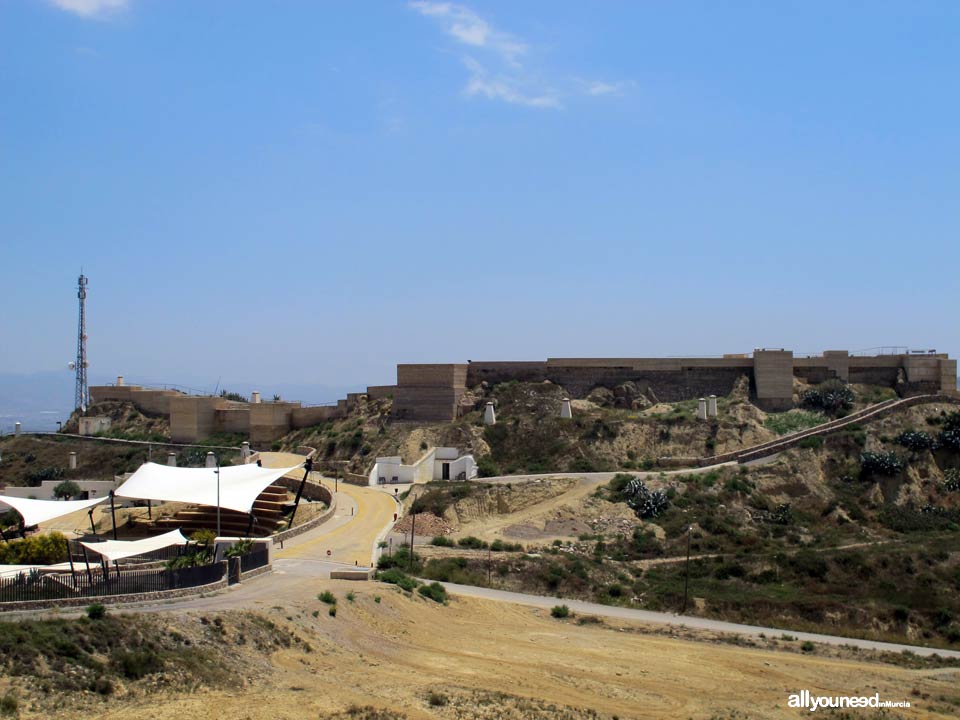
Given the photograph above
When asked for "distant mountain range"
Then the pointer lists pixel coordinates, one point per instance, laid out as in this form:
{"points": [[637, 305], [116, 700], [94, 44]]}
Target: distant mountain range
{"points": [[39, 400]]}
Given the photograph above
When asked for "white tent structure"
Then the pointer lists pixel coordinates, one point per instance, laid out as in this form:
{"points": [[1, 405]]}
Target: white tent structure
{"points": [[233, 487], [35, 512], [114, 550]]}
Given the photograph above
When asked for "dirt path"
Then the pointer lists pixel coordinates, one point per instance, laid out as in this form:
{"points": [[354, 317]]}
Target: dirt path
{"points": [[394, 652]]}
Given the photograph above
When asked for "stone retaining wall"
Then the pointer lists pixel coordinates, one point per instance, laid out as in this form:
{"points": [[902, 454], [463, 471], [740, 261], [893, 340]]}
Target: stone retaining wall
{"points": [[117, 599]]}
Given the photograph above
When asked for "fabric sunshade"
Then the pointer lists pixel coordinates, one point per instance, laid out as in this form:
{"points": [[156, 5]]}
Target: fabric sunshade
{"points": [[239, 484], [119, 549], [35, 512]]}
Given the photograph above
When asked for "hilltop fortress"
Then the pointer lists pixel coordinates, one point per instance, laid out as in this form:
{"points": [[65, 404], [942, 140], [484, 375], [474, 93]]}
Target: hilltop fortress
{"points": [[433, 392]]}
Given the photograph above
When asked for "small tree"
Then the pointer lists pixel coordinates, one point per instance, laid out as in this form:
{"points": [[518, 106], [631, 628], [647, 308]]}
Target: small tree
{"points": [[66, 490]]}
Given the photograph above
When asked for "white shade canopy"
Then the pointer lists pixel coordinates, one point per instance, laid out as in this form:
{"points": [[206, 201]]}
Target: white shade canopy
{"points": [[239, 484], [119, 549], [35, 512]]}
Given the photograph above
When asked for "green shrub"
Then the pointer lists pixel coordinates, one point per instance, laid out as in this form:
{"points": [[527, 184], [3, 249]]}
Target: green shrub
{"points": [[351, 597], [792, 421], [239, 549], [499, 545], [486, 467], [205, 537], [376, 599], [442, 541], [397, 577], [951, 480], [332, 611], [96, 611], [437, 699], [434, 591], [472, 542], [833, 397], [327, 597], [46, 549], [136, 664], [814, 442], [807, 646], [9, 705], [560, 611], [872, 463], [915, 441]]}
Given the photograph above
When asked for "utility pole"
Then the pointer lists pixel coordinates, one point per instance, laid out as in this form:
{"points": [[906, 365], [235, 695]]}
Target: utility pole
{"points": [[686, 577], [82, 394], [413, 524]]}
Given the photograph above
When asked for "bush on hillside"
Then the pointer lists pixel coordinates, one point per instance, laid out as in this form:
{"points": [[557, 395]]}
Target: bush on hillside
{"points": [[792, 421], [434, 591], [397, 577], [872, 463], [951, 480], [915, 441], [486, 467], [832, 397], [644, 502]]}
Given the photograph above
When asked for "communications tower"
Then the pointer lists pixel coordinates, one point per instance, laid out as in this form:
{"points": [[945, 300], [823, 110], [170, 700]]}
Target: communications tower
{"points": [[82, 398]]}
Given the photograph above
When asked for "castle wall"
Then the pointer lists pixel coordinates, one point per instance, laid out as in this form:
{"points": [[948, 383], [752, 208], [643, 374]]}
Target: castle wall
{"points": [[773, 379]]}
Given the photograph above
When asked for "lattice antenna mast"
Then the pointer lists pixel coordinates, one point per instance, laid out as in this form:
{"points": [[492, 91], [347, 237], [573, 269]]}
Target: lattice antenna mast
{"points": [[82, 398]]}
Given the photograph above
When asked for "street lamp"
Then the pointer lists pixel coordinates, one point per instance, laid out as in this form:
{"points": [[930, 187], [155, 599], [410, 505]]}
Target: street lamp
{"points": [[686, 576], [218, 493]]}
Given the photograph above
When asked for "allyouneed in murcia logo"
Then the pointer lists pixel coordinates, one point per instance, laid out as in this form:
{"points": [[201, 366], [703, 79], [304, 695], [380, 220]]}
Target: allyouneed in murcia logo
{"points": [[806, 699]]}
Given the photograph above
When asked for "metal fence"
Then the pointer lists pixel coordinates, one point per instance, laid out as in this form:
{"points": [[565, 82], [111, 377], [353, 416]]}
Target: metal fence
{"points": [[255, 559], [97, 583]]}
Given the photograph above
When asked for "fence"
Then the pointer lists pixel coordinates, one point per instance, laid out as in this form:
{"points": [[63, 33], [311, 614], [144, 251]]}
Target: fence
{"points": [[97, 583], [255, 559]]}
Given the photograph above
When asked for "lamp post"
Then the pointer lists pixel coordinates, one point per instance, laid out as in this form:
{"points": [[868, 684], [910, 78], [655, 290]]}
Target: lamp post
{"points": [[218, 493], [686, 576]]}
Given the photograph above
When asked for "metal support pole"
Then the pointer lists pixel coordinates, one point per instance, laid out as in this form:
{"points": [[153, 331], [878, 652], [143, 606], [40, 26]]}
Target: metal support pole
{"points": [[93, 528], [150, 509], [413, 524], [686, 577], [113, 515], [296, 503], [86, 561], [218, 496]]}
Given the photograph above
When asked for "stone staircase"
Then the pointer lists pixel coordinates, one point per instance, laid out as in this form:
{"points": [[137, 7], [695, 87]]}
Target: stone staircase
{"points": [[268, 511]]}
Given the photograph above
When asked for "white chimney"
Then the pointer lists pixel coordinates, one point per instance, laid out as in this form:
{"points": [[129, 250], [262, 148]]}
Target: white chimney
{"points": [[489, 415], [702, 409], [119, 380], [73, 461], [172, 459], [211, 460], [255, 397], [712, 406], [565, 410]]}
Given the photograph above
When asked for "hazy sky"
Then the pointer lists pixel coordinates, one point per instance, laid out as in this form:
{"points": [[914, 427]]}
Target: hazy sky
{"points": [[314, 191]]}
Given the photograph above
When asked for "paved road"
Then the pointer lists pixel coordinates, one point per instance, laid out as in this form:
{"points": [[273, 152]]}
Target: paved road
{"points": [[362, 518]]}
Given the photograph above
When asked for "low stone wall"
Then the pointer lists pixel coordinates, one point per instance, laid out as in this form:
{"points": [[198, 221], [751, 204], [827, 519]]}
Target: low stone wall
{"points": [[280, 537], [250, 574], [351, 574], [117, 599]]}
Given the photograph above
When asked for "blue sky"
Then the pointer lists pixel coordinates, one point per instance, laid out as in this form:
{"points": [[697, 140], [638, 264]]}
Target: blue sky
{"points": [[311, 192]]}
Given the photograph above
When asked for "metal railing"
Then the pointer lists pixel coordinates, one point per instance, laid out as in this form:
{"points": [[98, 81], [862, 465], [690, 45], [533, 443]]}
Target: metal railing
{"points": [[34, 585], [255, 559]]}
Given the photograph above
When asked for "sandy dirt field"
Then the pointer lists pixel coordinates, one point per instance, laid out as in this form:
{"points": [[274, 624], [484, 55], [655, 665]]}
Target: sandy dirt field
{"points": [[494, 660]]}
